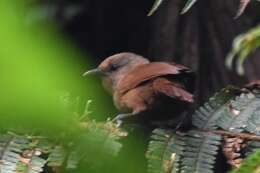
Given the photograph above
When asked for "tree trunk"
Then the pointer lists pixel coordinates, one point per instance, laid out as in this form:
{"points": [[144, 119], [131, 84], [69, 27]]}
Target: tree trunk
{"points": [[200, 39]]}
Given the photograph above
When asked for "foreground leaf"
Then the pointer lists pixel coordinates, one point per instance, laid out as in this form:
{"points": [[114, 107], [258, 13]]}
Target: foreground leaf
{"points": [[242, 6], [188, 5], [155, 7]]}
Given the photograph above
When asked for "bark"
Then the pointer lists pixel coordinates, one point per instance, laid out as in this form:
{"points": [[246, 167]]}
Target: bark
{"points": [[201, 39]]}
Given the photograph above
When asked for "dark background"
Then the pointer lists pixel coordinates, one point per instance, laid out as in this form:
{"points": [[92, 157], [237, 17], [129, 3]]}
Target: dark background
{"points": [[199, 39]]}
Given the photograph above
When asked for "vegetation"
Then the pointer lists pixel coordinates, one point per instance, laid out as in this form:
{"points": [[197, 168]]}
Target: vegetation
{"points": [[41, 133]]}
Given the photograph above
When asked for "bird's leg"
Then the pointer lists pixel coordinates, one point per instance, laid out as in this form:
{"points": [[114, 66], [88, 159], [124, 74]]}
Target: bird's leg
{"points": [[120, 117]]}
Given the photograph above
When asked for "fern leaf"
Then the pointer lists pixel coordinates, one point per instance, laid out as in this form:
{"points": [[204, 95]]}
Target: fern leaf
{"points": [[35, 165], [253, 125], [238, 112], [205, 117], [200, 152], [156, 5], [164, 152], [73, 160], [57, 157], [11, 148], [188, 5], [18, 155]]}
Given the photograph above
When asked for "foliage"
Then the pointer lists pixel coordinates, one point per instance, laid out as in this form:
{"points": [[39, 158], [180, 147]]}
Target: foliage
{"points": [[243, 45], [205, 117], [196, 150], [251, 164], [157, 3], [93, 144], [33, 154], [190, 3], [164, 151], [193, 151], [231, 110]]}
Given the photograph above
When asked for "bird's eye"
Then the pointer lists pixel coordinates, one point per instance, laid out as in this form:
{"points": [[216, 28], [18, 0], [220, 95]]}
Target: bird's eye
{"points": [[113, 67], [118, 64]]}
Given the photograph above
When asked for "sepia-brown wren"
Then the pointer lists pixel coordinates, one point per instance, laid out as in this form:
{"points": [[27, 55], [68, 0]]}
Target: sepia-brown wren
{"points": [[147, 90]]}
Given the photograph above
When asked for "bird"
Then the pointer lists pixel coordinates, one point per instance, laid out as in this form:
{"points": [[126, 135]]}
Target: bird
{"points": [[145, 89]]}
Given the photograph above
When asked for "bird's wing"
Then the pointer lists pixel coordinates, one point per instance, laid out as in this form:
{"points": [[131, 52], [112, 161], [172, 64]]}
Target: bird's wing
{"points": [[149, 71], [172, 89]]}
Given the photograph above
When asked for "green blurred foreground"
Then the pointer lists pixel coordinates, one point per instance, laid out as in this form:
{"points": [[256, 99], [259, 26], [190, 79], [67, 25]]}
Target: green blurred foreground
{"points": [[39, 69]]}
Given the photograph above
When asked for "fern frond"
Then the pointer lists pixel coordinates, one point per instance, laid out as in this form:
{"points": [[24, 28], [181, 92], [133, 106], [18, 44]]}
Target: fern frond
{"points": [[73, 160], [31, 154], [35, 164], [106, 137], [56, 157], [11, 148], [205, 117], [253, 125], [164, 152], [238, 112], [18, 154], [200, 152]]}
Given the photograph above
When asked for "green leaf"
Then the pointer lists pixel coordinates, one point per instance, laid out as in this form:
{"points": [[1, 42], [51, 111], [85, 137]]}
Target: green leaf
{"points": [[188, 5], [156, 5], [243, 45], [251, 164]]}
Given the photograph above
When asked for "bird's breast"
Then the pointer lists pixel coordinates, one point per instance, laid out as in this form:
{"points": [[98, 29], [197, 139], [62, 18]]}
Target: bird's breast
{"points": [[107, 84], [119, 103]]}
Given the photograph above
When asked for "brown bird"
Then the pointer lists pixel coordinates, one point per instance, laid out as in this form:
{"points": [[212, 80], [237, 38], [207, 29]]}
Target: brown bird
{"points": [[141, 87]]}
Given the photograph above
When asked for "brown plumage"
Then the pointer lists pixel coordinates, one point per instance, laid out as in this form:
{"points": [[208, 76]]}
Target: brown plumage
{"points": [[146, 88]]}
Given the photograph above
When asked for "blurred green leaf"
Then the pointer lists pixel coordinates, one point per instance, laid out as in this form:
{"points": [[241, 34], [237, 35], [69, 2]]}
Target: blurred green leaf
{"points": [[251, 164], [38, 64], [243, 45]]}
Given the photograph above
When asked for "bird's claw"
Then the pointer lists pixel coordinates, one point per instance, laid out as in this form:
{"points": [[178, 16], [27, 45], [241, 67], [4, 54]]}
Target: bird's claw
{"points": [[119, 119]]}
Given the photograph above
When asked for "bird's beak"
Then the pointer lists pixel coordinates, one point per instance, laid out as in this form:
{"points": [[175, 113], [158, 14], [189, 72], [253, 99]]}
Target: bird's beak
{"points": [[93, 71]]}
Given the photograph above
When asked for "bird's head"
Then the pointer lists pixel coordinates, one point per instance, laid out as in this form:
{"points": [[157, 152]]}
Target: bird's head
{"points": [[115, 67]]}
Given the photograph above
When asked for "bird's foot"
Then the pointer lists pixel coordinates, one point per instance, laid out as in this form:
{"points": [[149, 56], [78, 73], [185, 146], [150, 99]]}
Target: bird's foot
{"points": [[120, 117]]}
